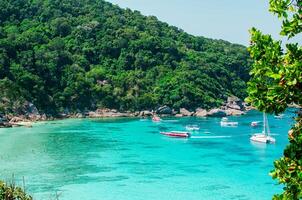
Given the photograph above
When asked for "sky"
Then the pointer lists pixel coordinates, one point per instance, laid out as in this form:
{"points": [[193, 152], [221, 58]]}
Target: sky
{"points": [[220, 19]]}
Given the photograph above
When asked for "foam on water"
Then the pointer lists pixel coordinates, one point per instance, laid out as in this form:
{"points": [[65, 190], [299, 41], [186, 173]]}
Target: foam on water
{"points": [[127, 159]]}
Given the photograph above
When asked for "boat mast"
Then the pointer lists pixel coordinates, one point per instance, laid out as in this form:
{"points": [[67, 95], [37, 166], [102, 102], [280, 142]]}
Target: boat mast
{"points": [[267, 127], [264, 124]]}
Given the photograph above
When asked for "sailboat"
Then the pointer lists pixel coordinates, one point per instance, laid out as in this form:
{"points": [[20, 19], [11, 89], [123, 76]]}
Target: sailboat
{"points": [[264, 137]]}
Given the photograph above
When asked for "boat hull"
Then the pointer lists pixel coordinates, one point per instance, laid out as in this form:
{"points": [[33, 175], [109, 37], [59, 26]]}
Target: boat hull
{"points": [[229, 124], [176, 134], [263, 139]]}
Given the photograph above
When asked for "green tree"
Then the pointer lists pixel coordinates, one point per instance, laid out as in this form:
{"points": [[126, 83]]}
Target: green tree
{"points": [[12, 192], [79, 55], [277, 82]]}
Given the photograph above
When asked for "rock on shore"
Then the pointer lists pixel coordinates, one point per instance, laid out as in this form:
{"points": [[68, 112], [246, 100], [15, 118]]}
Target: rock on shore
{"points": [[233, 106], [102, 113], [185, 112], [201, 112], [164, 110]]}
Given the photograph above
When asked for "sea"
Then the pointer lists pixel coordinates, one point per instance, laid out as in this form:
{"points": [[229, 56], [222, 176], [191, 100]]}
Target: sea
{"points": [[128, 159]]}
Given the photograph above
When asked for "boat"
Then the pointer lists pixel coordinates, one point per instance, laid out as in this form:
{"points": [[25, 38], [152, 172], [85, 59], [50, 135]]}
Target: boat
{"points": [[280, 116], [264, 137], [177, 134], [254, 124], [156, 118], [225, 122], [192, 128]]}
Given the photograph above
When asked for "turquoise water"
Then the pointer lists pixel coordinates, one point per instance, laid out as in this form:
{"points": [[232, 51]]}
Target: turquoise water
{"points": [[127, 159]]}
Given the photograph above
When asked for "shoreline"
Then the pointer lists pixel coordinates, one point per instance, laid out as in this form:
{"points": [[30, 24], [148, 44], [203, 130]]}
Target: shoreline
{"points": [[27, 121], [232, 107]]}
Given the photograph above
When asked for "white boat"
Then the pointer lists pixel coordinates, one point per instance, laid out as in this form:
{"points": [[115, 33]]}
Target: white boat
{"points": [[264, 137], [225, 122], [280, 116], [192, 128], [255, 123]]}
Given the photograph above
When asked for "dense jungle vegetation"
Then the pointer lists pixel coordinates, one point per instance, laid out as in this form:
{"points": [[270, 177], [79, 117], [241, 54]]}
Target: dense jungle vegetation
{"points": [[80, 55]]}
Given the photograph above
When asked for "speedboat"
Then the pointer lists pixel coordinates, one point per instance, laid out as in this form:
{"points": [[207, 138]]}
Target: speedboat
{"points": [[192, 128], [177, 134], [225, 122], [264, 137], [254, 124]]}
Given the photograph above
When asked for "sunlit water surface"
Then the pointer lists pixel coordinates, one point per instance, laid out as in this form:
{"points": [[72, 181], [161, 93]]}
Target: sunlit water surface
{"points": [[127, 159]]}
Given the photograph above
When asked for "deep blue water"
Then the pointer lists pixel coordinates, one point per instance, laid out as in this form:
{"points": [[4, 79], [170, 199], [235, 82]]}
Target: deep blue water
{"points": [[127, 159]]}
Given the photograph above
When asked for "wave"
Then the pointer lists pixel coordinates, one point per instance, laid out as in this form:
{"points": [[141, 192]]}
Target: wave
{"points": [[210, 137]]}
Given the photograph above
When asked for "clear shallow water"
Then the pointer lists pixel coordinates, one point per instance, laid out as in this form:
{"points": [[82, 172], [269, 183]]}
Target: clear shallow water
{"points": [[127, 159]]}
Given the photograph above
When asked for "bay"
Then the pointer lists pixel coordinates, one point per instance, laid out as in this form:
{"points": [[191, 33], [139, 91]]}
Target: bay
{"points": [[127, 159]]}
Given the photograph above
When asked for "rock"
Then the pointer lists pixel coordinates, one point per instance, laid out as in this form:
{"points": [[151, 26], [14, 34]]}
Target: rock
{"points": [[216, 113], [79, 115], [201, 112], [234, 112], [233, 99], [92, 114], [234, 102], [20, 121], [34, 117], [185, 112], [174, 112], [113, 110], [3, 118], [234, 106], [146, 113], [43, 117], [32, 109], [5, 125], [17, 119], [101, 113], [179, 115], [23, 123], [164, 110], [63, 115]]}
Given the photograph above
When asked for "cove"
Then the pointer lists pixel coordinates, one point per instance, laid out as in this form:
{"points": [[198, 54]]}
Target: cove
{"points": [[127, 159]]}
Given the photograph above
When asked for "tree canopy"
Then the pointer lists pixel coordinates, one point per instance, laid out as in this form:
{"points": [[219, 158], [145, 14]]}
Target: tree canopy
{"points": [[277, 82], [80, 55]]}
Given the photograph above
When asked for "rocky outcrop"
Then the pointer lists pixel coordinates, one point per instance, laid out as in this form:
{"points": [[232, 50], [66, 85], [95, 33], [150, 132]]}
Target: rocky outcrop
{"points": [[234, 102], [145, 113], [216, 112], [201, 112], [32, 109], [234, 106], [20, 121], [102, 113], [234, 112], [164, 110], [80, 115], [4, 122], [17, 119], [185, 112]]}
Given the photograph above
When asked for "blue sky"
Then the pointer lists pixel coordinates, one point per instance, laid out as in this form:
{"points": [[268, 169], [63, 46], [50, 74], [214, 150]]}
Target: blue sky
{"points": [[221, 19]]}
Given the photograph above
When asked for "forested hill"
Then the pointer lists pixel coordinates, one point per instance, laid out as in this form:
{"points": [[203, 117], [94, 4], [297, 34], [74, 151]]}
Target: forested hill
{"points": [[84, 54]]}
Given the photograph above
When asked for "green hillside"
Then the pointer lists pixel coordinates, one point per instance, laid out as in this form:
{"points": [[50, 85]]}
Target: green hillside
{"points": [[85, 54]]}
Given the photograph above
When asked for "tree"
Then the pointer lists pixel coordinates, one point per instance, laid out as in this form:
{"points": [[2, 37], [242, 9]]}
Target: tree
{"points": [[12, 192], [276, 82], [80, 55]]}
